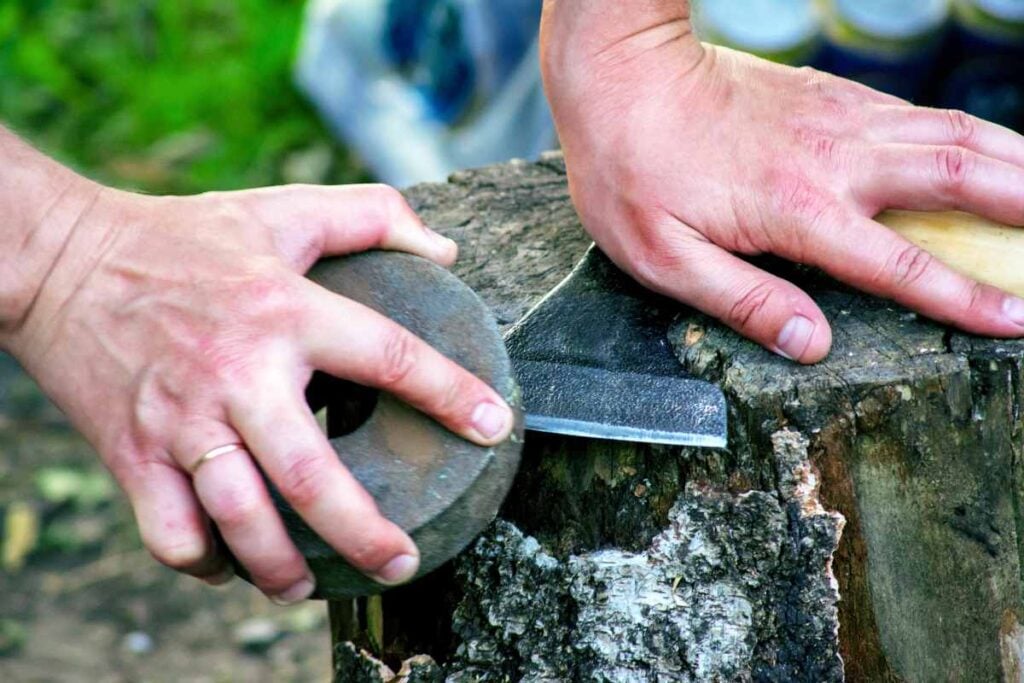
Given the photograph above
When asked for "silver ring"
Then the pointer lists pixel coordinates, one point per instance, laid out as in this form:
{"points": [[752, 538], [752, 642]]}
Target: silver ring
{"points": [[215, 453]]}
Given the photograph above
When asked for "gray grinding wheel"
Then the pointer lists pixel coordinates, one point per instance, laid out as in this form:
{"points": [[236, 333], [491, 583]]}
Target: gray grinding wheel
{"points": [[441, 489]]}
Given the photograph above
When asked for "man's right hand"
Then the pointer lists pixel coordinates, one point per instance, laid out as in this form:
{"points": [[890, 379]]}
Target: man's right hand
{"points": [[170, 326], [682, 156]]}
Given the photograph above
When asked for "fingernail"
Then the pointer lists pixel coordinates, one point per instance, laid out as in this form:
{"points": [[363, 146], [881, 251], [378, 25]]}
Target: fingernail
{"points": [[1013, 308], [297, 593], [795, 337], [399, 570], [490, 420], [221, 577]]}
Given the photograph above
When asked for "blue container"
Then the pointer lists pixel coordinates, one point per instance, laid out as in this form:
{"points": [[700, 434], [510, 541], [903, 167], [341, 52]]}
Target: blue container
{"points": [[785, 31], [890, 45], [987, 77]]}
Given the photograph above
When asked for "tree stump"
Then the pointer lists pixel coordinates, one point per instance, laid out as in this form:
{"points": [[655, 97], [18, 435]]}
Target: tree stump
{"points": [[863, 522]]}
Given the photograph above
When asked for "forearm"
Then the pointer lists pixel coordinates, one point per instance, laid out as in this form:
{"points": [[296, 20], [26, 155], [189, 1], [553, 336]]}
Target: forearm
{"points": [[40, 201]]}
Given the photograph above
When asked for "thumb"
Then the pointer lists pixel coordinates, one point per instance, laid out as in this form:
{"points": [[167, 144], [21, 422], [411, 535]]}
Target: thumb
{"points": [[310, 221]]}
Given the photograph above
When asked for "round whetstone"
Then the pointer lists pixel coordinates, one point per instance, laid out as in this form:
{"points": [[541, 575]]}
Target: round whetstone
{"points": [[441, 489]]}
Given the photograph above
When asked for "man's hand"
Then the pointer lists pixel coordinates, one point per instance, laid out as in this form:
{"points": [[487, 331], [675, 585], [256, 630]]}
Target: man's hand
{"points": [[682, 154], [167, 327]]}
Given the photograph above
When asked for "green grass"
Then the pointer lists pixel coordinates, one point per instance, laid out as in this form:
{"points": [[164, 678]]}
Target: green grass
{"points": [[164, 95]]}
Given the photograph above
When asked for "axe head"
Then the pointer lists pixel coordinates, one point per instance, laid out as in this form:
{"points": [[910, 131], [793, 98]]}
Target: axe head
{"points": [[593, 359]]}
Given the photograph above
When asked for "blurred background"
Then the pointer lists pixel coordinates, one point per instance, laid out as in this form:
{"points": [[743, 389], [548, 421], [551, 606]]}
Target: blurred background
{"points": [[171, 96]]}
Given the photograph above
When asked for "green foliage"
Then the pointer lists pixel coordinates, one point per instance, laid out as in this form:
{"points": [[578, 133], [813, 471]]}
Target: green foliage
{"points": [[76, 499], [12, 637], [84, 489], [163, 95]]}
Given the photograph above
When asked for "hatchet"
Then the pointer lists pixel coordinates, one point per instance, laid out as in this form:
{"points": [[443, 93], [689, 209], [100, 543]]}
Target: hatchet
{"points": [[592, 359]]}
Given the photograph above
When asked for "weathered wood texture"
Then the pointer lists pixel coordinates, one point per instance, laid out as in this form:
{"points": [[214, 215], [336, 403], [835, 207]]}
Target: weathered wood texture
{"points": [[627, 563]]}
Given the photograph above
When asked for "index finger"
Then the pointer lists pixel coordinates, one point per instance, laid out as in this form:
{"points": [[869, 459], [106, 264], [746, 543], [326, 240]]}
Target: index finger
{"points": [[351, 341]]}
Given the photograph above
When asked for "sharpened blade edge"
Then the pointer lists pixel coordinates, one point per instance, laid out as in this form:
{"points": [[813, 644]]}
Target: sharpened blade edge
{"points": [[589, 401], [592, 430]]}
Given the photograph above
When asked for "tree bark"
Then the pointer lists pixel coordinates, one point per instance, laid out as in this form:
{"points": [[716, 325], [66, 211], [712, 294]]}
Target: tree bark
{"points": [[862, 523]]}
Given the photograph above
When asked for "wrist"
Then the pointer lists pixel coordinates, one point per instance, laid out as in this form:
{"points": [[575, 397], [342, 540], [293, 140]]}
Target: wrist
{"points": [[41, 202], [600, 59], [598, 56], [576, 32]]}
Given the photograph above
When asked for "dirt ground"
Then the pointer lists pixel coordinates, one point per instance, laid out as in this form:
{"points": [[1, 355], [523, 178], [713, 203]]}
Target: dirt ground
{"points": [[81, 600]]}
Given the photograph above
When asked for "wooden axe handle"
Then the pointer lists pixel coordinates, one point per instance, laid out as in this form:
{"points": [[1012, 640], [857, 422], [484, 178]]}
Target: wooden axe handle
{"points": [[988, 252]]}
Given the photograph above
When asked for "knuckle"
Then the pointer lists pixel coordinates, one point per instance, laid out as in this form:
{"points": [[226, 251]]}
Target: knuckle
{"points": [[962, 127], [796, 197], [269, 294], [370, 553], [390, 200], [973, 300], [750, 305], [387, 194], [909, 265], [458, 398], [824, 145], [830, 92], [826, 149], [661, 253], [954, 166], [279, 574], [234, 506], [260, 306], [646, 265], [397, 357], [227, 364], [224, 209], [139, 448], [180, 553], [302, 481], [818, 81]]}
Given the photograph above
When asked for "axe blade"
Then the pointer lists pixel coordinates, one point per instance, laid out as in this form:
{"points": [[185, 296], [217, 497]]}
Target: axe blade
{"points": [[623, 406], [593, 359]]}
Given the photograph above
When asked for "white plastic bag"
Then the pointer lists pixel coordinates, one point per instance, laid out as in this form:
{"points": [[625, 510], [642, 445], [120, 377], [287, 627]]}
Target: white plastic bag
{"points": [[420, 88]]}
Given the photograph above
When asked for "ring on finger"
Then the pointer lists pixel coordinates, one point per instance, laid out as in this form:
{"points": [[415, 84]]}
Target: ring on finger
{"points": [[215, 453]]}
